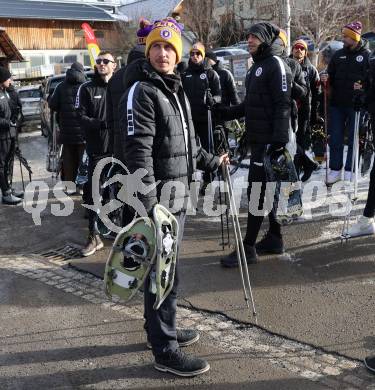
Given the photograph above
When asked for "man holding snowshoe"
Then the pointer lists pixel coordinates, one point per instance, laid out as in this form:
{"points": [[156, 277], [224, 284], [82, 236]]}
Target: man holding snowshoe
{"points": [[159, 138]]}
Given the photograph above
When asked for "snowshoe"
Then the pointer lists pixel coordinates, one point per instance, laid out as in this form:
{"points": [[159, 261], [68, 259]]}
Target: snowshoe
{"points": [[318, 142], [287, 203], [163, 271], [131, 259]]}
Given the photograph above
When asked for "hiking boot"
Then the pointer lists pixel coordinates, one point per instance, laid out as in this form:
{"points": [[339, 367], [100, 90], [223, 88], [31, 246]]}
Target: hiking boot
{"points": [[93, 244], [10, 199], [18, 194], [308, 170], [270, 244], [231, 261], [185, 337], [370, 363], [181, 364]]}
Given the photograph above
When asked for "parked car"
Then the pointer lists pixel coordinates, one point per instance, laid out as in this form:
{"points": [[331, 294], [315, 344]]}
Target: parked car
{"points": [[47, 91], [30, 97], [241, 45], [222, 52]]}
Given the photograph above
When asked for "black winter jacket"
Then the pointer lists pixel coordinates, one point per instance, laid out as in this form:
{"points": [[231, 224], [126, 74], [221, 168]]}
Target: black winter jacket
{"points": [[153, 135], [196, 80], [267, 104], [229, 95], [63, 103], [5, 115], [370, 85], [345, 68], [91, 104], [14, 102]]}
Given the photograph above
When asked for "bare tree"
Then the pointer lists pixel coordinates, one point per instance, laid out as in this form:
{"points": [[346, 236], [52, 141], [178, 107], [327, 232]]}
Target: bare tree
{"points": [[322, 20], [198, 17]]}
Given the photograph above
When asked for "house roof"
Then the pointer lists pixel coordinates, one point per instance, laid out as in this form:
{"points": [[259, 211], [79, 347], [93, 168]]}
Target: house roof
{"points": [[150, 9], [8, 48], [23, 9]]}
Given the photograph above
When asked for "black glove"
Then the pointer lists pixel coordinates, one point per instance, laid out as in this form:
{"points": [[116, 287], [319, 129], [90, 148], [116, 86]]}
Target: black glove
{"points": [[210, 101], [316, 120]]}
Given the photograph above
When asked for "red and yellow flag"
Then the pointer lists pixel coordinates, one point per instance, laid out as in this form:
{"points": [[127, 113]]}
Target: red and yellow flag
{"points": [[92, 44]]}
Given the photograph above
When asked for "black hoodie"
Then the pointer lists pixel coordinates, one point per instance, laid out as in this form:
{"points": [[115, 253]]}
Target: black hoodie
{"points": [[153, 135], [63, 101], [345, 68]]}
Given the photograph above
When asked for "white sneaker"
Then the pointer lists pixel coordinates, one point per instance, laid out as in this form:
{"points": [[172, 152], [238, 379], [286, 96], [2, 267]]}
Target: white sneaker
{"points": [[333, 176], [364, 227], [348, 176]]}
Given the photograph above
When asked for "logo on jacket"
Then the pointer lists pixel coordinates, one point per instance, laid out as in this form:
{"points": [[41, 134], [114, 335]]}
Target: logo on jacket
{"points": [[359, 58], [98, 97], [166, 34], [259, 71], [203, 76]]}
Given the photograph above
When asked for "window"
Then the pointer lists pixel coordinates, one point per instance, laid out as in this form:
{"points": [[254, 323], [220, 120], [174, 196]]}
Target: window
{"points": [[70, 59], [99, 34], [79, 33], [37, 60], [86, 60], [57, 33], [56, 59]]}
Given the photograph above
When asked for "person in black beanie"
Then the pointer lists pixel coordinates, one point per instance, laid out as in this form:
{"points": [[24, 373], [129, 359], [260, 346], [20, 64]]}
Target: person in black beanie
{"points": [[7, 132], [71, 134], [267, 110]]}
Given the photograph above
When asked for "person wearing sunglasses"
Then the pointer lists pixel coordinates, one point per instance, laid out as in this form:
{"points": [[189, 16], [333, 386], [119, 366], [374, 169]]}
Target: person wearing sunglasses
{"points": [[91, 106], [308, 109], [202, 86]]}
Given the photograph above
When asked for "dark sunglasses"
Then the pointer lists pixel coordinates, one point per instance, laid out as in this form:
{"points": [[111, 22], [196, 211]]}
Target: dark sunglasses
{"points": [[104, 60], [299, 47], [195, 53]]}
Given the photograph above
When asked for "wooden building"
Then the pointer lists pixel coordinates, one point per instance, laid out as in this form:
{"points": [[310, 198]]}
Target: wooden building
{"points": [[49, 34]]}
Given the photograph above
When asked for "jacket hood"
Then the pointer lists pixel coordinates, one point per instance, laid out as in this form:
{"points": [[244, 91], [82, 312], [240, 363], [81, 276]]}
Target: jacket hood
{"points": [[137, 52], [263, 52], [74, 76], [362, 45]]}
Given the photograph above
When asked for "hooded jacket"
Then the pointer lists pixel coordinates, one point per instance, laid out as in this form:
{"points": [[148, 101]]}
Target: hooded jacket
{"points": [[5, 115], [268, 100], [197, 79], [153, 135], [370, 85], [91, 105], [63, 102], [345, 68]]}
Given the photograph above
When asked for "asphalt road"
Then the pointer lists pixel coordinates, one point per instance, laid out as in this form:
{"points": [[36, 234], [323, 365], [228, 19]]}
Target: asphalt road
{"points": [[320, 294]]}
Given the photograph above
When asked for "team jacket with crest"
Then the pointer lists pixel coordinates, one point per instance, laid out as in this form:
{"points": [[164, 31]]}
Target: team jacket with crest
{"points": [[345, 68], [5, 115], [91, 104], [154, 137], [267, 104], [196, 80]]}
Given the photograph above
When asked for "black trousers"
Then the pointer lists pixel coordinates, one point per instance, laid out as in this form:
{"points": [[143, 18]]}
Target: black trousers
{"points": [[72, 157], [160, 324], [87, 189], [257, 174], [201, 129], [5, 158]]}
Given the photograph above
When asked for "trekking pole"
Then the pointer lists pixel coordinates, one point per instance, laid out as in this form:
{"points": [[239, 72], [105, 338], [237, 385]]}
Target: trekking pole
{"points": [[354, 170], [23, 182], [241, 256], [325, 89]]}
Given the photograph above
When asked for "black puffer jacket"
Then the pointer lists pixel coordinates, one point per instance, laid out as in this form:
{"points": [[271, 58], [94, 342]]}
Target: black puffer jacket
{"points": [[267, 104], [91, 105], [63, 102], [5, 115], [115, 90], [345, 68], [229, 95], [14, 102], [153, 135], [196, 80], [370, 85]]}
